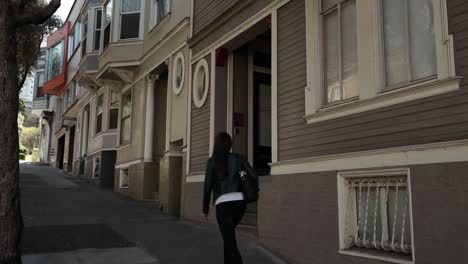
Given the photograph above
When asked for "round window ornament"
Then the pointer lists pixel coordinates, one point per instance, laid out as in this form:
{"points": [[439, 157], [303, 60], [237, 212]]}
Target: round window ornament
{"points": [[200, 83], [178, 76]]}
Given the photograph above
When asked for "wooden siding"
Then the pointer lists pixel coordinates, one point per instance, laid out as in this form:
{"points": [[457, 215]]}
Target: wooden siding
{"points": [[206, 11], [434, 119], [230, 19], [200, 131]]}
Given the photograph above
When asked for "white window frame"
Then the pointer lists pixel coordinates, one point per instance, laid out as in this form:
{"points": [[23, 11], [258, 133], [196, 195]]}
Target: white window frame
{"points": [[342, 206], [177, 89], [371, 66], [129, 13], [154, 21], [200, 99]]}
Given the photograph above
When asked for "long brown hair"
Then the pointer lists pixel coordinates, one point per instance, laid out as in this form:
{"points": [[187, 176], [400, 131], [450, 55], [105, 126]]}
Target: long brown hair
{"points": [[221, 150]]}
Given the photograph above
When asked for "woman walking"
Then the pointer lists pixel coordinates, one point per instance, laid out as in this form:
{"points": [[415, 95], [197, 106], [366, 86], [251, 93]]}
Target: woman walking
{"points": [[223, 179]]}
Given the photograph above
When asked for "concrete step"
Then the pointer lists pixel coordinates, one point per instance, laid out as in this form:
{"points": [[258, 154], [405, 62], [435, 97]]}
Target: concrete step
{"points": [[150, 203]]}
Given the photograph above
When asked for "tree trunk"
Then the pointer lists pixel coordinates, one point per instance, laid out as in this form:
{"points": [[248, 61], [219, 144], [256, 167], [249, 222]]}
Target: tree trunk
{"points": [[11, 221]]}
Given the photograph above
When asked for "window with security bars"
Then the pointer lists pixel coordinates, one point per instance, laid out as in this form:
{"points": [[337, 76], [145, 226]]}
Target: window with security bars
{"points": [[375, 214], [340, 57], [409, 41], [130, 19]]}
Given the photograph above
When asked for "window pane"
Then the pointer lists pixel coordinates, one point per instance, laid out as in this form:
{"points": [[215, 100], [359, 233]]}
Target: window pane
{"points": [[97, 40], [422, 39], [114, 100], [126, 105], [331, 41], [396, 59], [98, 123], [98, 19], [106, 35], [55, 62], [108, 11], [113, 118], [40, 79], [349, 60], [99, 104], [130, 5], [130, 26], [125, 130]]}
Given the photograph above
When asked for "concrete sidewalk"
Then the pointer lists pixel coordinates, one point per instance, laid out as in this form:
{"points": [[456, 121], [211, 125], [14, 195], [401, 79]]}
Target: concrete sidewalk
{"points": [[73, 221]]}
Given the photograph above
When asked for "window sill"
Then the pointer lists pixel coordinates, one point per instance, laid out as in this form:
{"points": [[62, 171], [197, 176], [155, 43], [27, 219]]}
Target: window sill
{"points": [[124, 187], [385, 99], [371, 254]]}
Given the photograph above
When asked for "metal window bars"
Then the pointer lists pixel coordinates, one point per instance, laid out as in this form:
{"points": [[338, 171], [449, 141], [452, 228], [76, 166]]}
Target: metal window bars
{"points": [[377, 214]]}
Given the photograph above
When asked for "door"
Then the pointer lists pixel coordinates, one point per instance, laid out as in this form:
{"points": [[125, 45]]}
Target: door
{"points": [[60, 151], [262, 123], [71, 149]]}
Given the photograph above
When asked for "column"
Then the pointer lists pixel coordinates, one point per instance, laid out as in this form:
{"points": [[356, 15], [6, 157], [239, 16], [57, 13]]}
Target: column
{"points": [[149, 118]]}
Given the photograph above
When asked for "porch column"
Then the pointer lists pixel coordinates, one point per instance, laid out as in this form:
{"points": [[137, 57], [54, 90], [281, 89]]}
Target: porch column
{"points": [[149, 119]]}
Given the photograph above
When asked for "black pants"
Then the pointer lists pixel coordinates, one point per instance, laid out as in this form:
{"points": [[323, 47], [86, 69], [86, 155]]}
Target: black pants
{"points": [[229, 214]]}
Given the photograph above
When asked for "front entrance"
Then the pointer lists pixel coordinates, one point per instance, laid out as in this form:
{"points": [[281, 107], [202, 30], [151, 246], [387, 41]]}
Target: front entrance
{"points": [[250, 124], [71, 149]]}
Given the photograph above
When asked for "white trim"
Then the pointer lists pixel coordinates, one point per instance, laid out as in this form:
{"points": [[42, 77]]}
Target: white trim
{"points": [[178, 89], [171, 153], [197, 100], [230, 94], [189, 116], [191, 19], [392, 97], [442, 152], [260, 15], [274, 86], [128, 164], [212, 101], [342, 200], [169, 89], [195, 178]]}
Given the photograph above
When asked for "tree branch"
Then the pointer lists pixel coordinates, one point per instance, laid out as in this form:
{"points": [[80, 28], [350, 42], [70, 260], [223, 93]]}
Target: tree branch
{"points": [[22, 5], [37, 17]]}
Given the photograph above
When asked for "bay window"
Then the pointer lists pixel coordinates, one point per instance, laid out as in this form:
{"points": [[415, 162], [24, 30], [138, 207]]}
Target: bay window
{"points": [[368, 54], [130, 19], [107, 23]]}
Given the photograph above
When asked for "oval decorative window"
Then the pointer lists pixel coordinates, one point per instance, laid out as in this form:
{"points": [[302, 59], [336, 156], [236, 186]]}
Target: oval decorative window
{"points": [[178, 76], [200, 83]]}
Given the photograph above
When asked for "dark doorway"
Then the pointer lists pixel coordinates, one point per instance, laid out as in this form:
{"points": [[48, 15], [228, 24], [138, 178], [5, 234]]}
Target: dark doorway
{"points": [[262, 123], [71, 145], [60, 151]]}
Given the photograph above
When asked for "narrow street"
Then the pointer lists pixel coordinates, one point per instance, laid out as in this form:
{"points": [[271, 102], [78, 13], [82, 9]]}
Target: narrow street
{"points": [[70, 221]]}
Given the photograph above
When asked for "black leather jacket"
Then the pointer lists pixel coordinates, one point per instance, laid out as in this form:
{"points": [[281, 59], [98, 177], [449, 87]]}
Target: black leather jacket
{"points": [[231, 183]]}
